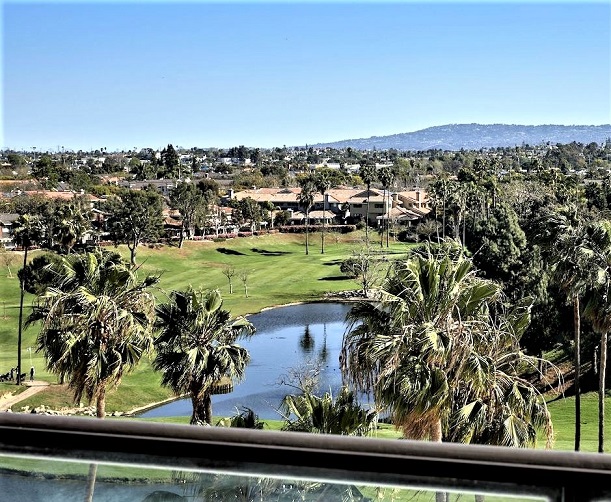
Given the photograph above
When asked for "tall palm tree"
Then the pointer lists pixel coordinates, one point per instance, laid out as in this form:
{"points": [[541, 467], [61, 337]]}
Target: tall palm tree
{"points": [[197, 347], [386, 177], [368, 174], [306, 199], [563, 236], [438, 350], [322, 184], [598, 305], [96, 323], [27, 231]]}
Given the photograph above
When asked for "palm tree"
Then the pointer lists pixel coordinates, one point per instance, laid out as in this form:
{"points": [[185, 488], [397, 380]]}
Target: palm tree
{"points": [[562, 234], [386, 177], [322, 184], [97, 319], [73, 223], [368, 174], [27, 230], [96, 325], [326, 415], [598, 305], [439, 351], [197, 347], [306, 199]]}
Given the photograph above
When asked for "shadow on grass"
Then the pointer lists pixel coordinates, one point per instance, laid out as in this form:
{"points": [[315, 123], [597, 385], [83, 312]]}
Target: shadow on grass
{"points": [[230, 251], [335, 278], [333, 262], [265, 252]]}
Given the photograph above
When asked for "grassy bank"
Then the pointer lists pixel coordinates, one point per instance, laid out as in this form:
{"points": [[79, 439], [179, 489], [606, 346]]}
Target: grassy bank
{"points": [[276, 269]]}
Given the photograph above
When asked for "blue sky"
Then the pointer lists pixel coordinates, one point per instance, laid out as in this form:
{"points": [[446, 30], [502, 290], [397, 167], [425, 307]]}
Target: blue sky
{"points": [[119, 75]]}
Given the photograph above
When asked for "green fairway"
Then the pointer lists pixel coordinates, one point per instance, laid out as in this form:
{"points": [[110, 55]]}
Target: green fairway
{"points": [[276, 270]]}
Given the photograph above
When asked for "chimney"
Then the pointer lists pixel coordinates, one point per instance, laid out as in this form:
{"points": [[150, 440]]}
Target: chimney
{"points": [[417, 195], [395, 200]]}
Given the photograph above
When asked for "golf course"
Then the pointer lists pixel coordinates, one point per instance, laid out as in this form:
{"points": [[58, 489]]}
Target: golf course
{"points": [[268, 270]]}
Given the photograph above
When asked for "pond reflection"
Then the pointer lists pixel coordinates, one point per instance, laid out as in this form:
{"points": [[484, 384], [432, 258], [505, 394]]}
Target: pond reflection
{"points": [[289, 341]]}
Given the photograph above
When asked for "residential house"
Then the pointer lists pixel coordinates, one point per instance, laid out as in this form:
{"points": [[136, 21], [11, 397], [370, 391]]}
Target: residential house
{"points": [[341, 204], [163, 186], [6, 225], [369, 205]]}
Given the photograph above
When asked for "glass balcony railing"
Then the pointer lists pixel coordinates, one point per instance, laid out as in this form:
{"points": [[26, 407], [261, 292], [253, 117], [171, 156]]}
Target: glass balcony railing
{"points": [[47, 458]]}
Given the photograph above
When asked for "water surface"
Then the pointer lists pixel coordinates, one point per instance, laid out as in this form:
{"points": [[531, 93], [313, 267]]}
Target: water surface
{"points": [[288, 340]]}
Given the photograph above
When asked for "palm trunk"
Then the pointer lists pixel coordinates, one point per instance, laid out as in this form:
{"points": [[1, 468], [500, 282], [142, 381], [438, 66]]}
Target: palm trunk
{"points": [[182, 237], [367, 219], [25, 261], [202, 409], [93, 468], [91, 477], [601, 392], [307, 232], [443, 216], [322, 237], [437, 436], [100, 407], [382, 233], [132, 253], [577, 364]]}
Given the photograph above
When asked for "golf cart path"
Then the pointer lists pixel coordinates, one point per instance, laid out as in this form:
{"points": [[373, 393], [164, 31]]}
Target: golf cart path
{"points": [[9, 399]]}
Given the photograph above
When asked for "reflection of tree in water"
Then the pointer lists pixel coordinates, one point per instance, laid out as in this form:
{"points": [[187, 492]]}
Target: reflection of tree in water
{"points": [[306, 342], [207, 487], [323, 354]]}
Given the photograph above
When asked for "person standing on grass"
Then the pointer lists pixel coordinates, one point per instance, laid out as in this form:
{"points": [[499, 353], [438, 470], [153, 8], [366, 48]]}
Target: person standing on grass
{"points": [[32, 374]]}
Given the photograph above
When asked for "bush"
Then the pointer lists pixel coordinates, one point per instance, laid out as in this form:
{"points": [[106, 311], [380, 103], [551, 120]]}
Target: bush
{"points": [[407, 235]]}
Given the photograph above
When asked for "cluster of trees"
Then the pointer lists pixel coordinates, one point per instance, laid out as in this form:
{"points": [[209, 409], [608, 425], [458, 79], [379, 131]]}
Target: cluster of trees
{"points": [[98, 318], [541, 236]]}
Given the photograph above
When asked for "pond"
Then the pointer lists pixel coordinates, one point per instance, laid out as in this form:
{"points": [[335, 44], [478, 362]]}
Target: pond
{"points": [[289, 340]]}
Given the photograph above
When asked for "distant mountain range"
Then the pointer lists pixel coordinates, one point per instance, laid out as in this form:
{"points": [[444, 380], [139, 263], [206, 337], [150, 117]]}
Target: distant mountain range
{"points": [[476, 136]]}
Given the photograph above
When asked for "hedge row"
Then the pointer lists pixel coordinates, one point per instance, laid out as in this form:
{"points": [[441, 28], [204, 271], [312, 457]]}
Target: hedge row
{"points": [[301, 229]]}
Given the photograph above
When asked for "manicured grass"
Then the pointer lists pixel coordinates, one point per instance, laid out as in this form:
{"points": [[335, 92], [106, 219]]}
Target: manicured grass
{"points": [[563, 416], [278, 272]]}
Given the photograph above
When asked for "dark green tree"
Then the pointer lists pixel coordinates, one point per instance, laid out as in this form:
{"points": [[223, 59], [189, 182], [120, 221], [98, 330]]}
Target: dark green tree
{"points": [[169, 163], [135, 217]]}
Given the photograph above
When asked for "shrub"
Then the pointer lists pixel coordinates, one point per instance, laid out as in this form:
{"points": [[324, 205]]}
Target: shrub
{"points": [[407, 235], [301, 229]]}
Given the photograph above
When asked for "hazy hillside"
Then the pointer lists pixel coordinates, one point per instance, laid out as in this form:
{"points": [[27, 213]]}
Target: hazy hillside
{"points": [[476, 136]]}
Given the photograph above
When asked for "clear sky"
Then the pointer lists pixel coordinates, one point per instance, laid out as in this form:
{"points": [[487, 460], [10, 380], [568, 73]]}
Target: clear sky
{"points": [[120, 75]]}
